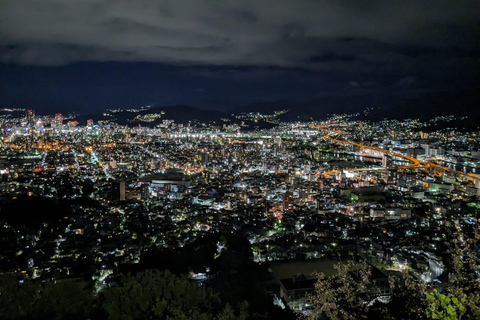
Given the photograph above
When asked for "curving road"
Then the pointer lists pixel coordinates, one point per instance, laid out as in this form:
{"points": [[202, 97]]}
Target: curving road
{"points": [[415, 163]]}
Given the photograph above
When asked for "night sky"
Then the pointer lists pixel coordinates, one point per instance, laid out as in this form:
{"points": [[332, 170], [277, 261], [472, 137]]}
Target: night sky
{"points": [[87, 55]]}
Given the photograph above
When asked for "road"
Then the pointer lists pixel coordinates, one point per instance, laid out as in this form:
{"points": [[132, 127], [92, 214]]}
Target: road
{"points": [[415, 163]]}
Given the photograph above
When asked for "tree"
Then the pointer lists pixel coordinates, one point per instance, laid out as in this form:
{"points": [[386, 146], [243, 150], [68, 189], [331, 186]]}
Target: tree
{"points": [[408, 300], [353, 294], [445, 307], [65, 299], [348, 295], [16, 299], [463, 290], [162, 295]]}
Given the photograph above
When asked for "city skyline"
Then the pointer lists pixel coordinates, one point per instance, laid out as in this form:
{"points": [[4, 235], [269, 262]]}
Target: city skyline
{"points": [[227, 203], [264, 160]]}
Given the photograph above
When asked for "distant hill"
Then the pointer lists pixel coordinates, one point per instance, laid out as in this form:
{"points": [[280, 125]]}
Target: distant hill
{"points": [[180, 114], [460, 103], [318, 108], [184, 114]]}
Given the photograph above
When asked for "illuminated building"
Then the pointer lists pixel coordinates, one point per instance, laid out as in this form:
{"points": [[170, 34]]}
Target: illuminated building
{"points": [[118, 190]]}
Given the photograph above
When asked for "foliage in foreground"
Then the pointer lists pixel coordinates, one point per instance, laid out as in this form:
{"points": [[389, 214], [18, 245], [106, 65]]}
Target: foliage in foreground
{"points": [[65, 299], [353, 294], [162, 295], [350, 294], [145, 295]]}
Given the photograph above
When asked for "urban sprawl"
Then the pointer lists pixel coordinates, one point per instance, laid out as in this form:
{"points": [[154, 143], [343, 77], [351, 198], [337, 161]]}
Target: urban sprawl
{"points": [[302, 193]]}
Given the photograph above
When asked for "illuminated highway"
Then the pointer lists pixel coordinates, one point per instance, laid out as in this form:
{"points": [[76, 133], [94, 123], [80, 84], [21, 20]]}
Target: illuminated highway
{"points": [[415, 163]]}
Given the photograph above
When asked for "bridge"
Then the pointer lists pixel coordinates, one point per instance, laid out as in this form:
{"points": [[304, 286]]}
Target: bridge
{"points": [[415, 164]]}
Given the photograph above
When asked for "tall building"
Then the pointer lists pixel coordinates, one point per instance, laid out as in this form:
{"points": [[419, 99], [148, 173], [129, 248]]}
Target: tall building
{"points": [[30, 117], [206, 159], [118, 190], [59, 117], [390, 175], [58, 121], [287, 201], [387, 161]]}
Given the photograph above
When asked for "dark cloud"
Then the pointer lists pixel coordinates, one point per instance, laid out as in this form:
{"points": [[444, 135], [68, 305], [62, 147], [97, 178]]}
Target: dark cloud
{"points": [[249, 32], [224, 53], [332, 57]]}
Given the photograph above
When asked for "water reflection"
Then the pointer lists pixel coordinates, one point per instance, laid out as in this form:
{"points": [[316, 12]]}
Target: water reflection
{"points": [[398, 162], [459, 167]]}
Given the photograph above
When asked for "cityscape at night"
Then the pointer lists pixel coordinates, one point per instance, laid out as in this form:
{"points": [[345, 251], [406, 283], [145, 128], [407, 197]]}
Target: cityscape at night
{"points": [[239, 160]]}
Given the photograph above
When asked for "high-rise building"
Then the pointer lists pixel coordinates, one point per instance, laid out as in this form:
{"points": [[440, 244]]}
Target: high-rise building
{"points": [[118, 190], [58, 121], [206, 159], [30, 117], [387, 161], [59, 117], [287, 201], [390, 169]]}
